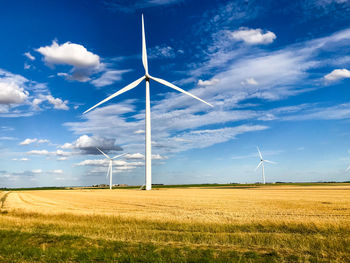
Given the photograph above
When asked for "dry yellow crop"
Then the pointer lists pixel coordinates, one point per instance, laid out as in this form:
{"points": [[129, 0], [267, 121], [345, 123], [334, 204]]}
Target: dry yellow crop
{"points": [[303, 220]]}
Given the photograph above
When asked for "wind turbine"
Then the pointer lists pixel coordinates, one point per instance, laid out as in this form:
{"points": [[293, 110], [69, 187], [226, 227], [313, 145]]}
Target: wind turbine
{"points": [[262, 160], [110, 166], [147, 77]]}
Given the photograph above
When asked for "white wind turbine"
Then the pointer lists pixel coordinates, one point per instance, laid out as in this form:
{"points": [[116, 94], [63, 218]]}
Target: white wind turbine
{"points": [[147, 77], [110, 166], [262, 160]]}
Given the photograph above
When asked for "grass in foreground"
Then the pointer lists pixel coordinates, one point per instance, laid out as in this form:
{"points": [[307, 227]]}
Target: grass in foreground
{"points": [[66, 237]]}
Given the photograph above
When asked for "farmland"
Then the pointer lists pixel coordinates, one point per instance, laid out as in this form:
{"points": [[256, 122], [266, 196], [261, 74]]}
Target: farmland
{"points": [[272, 223]]}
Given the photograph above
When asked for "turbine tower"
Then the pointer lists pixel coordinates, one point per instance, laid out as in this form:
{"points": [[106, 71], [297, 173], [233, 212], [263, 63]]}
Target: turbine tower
{"points": [[110, 166], [147, 77], [262, 164]]}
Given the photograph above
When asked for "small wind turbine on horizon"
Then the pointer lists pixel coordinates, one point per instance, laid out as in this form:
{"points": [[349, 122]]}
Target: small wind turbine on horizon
{"points": [[261, 163], [147, 77], [110, 166]]}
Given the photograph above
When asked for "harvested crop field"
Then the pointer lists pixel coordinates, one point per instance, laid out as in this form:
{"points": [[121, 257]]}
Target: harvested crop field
{"points": [[269, 223]]}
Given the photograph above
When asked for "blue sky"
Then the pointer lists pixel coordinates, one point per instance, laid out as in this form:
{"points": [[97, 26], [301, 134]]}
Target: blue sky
{"points": [[277, 73]]}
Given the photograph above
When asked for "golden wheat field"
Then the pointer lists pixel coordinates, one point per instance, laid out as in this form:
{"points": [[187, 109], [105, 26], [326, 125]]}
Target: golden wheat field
{"points": [[262, 223]]}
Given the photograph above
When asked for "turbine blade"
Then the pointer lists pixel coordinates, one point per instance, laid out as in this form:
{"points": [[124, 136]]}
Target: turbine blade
{"points": [[259, 152], [125, 89], [144, 52], [347, 169], [166, 83], [120, 155], [258, 165], [103, 153], [269, 161]]}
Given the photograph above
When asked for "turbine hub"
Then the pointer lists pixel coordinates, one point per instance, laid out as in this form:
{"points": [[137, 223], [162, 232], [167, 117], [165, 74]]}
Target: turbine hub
{"points": [[147, 77]]}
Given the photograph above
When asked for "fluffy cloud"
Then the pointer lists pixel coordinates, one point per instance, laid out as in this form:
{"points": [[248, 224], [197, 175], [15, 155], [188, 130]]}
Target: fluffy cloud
{"points": [[338, 74], [57, 103], [30, 141], [253, 36], [86, 66], [17, 91], [87, 145], [69, 54], [84, 62], [11, 93]]}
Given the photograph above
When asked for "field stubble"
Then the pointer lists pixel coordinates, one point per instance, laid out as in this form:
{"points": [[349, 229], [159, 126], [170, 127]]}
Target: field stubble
{"points": [[270, 223]]}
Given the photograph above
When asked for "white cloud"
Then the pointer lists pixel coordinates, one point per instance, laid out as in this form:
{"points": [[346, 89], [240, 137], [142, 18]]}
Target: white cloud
{"points": [[12, 93], [28, 141], [30, 56], [69, 54], [57, 103], [37, 171], [108, 78], [17, 91], [84, 62], [253, 36], [338, 74], [208, 82], [87, 145]]}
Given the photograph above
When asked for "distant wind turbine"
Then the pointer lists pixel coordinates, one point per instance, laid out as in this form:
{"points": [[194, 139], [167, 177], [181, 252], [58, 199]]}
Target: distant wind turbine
{"points": [[110, 166], [262, 164], [147, 77]]}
